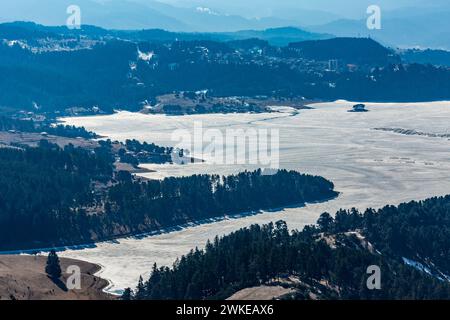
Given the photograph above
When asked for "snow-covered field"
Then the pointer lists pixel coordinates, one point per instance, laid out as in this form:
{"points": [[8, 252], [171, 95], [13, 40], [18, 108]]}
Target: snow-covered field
{"points": [[370, 168]]}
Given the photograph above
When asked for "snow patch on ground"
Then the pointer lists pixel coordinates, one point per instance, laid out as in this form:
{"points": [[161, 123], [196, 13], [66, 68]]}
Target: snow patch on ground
{"points": [[145, 56]]}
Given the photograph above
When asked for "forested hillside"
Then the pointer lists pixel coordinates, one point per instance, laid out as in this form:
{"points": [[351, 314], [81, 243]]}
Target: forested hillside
{"points": [[410, 243], [32, 32], [349, 50], [57, 72], [177, 200], [52, 196]]}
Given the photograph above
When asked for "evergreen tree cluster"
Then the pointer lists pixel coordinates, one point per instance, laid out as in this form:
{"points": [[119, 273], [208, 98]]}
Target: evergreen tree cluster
{"points": [[8, 124], [53, 196], [258, 254], [102, 75], [42, 189], [418, 231], [136, 146], [145, 153], [175, 201]]}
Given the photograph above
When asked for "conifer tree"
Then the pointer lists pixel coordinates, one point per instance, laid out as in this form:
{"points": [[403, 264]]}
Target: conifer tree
{"points": [[53, 268], [140, 290], [127, 294]]}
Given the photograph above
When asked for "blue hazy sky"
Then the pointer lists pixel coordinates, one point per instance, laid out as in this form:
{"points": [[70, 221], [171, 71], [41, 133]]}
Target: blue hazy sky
{"points": [[345, 8], [250, 8]]}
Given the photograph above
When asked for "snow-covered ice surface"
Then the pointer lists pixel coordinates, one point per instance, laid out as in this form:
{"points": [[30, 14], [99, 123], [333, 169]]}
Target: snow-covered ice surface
{"points": [[370, 168]]}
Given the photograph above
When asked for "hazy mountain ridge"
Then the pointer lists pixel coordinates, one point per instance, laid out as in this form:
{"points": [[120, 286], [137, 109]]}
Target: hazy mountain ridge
{"points": [[275, 36], [415, 28], [404, 23], [435, 57]]}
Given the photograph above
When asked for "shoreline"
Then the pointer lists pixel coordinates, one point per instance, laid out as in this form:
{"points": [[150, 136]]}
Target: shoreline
{"points": [[100, 268], [307, 106]]}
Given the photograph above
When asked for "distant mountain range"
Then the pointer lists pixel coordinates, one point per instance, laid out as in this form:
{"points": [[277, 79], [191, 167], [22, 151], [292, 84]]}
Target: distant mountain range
{"points": [[125, 14], [359, 51], [413, 27], [424, 24]]}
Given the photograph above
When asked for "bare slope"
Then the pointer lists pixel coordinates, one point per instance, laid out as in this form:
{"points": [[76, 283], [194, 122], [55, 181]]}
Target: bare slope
{"points": [[24, 278]]}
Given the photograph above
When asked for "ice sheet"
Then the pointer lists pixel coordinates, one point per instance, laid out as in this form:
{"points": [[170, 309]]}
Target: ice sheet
{"points": [[370, 168]]}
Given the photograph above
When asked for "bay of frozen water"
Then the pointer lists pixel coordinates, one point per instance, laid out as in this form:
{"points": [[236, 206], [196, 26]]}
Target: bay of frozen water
{"points": [[369, 168]]}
